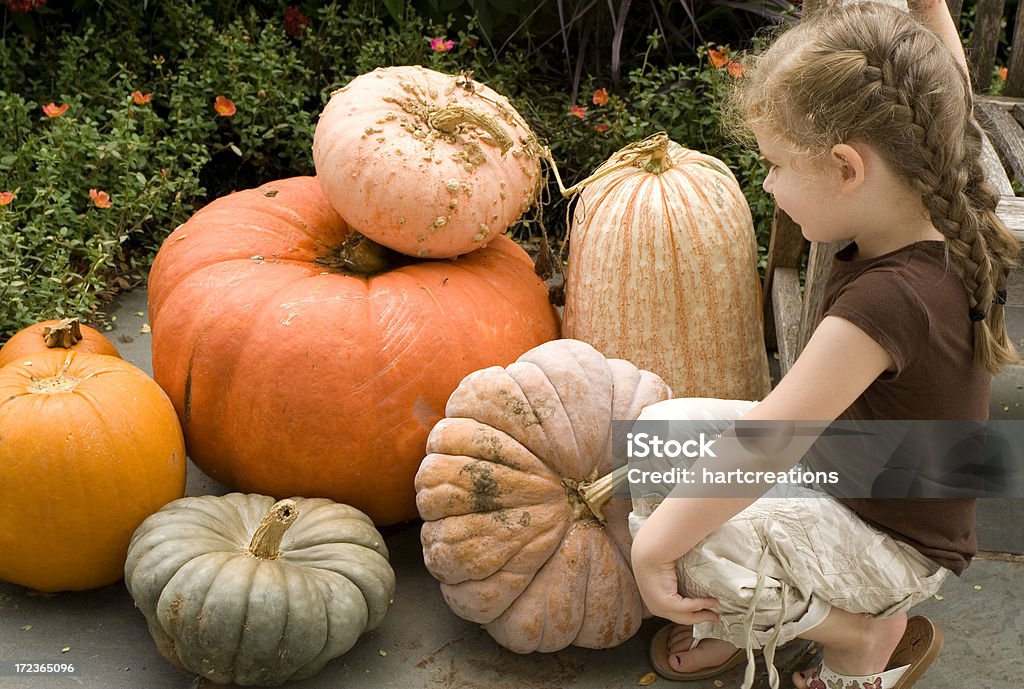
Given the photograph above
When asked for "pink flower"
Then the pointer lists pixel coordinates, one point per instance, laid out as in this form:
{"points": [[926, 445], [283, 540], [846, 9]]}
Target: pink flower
{"points": [[6, 197], [578, 111], [99, 198], [52, 110], [601, 97], [601, 127], [440, 45], [24, 5], [225, 107], [295, 22]]}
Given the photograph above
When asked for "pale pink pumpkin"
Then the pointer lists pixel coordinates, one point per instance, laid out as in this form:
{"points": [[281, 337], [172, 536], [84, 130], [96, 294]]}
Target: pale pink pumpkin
{"points": [[520, 524], [428, 164], [663, 271]]}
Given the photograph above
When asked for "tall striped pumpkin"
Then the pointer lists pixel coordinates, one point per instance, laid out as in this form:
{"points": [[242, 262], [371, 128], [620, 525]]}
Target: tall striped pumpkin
{"points": [[663, 271]]}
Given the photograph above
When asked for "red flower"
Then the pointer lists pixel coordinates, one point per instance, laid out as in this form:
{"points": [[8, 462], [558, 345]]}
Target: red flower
{"points": [[6, 197], [51, 110], [295, 22], [24, 5], [439, 45], [735, 69], [601, 97], [718, 59], [1002, 73], [578, 111], [100, 199], [601, 127], [225, 107], [140, 98]]}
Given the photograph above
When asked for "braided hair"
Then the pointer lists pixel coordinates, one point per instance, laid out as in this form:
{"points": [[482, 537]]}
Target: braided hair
{"points": [[869, 73]]}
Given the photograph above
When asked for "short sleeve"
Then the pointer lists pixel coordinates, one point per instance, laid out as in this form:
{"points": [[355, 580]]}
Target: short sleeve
{"points": [[888, 310]]}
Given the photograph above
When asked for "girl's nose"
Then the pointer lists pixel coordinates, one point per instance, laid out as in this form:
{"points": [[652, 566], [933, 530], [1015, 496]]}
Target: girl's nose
{"points": [[768, 182]]}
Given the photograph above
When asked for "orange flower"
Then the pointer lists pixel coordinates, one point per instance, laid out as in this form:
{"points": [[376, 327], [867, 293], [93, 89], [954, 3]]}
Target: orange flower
{"points": [[601, 127], [578, 111], [718, 59], [601, 97], [100, 199], [225, 107], [52, 110], [140, 98], [735, 70], [6, 197], [1002, 73]]}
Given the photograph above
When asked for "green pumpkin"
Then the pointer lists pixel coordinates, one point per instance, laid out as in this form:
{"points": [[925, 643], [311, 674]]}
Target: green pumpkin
{"points": [[240, 589]]}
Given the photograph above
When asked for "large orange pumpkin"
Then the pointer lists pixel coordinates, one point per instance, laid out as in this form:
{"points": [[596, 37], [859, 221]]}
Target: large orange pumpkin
{"points": [[429, 164], [294, 376], [663, 271], [89, 447], [68, 333]]}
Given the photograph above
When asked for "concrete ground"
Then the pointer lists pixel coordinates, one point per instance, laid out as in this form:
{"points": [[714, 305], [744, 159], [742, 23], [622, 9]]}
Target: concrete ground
{"points": [[422, 645]]}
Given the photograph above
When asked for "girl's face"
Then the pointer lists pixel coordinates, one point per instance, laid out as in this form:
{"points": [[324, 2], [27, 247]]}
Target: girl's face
{"points": [[805, 189]]}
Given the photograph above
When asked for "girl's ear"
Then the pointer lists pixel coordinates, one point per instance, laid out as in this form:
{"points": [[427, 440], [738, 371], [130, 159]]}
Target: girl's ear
{"points": [[850, 165]]}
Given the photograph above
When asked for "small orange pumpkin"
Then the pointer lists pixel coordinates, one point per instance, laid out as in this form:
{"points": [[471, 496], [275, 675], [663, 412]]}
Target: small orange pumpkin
{"points": [[89, 447], [68, 333]]}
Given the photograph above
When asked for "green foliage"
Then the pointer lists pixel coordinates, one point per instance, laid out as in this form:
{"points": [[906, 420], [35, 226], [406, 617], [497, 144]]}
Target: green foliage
{"points": [[162, 159]]}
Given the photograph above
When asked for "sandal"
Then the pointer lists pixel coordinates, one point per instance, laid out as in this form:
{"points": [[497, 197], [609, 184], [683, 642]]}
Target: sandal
{"points": [[918, 648], [659, 659]]}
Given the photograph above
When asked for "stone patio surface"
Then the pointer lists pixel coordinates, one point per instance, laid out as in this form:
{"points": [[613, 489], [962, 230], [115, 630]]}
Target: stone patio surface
{"points": [[423, 645]]}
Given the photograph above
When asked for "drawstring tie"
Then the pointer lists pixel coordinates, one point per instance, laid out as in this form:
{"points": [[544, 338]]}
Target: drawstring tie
{"points": [[748, 623]]}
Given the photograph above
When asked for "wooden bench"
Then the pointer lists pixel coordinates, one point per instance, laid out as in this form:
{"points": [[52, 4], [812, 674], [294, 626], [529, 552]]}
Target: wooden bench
{"points": [[791, 310]]}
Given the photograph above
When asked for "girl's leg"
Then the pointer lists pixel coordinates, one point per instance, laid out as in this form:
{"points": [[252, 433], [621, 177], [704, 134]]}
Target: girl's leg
{"points": [[854, 644]]}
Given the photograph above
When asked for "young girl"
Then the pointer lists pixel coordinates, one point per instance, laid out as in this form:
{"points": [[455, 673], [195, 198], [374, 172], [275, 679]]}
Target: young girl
{"points": [[864, 115]]}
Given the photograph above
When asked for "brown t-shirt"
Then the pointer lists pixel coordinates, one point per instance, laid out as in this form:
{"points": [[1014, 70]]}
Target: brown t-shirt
{"points": [[913, 303]]}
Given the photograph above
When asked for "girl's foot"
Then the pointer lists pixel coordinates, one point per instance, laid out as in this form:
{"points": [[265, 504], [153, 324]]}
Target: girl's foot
{"points": [[708, 653], [855, 645]]}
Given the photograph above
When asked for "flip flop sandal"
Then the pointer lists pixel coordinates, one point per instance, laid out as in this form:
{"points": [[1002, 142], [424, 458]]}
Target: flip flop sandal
{"points": [[918, 648], [659, 659]]}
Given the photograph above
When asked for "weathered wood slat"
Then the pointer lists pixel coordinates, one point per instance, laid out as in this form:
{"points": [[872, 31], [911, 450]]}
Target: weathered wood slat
{"points": [[1015, 70], [786, 311], [819, 263], [1011, 211], [785, 250], [984, 42], [994, 171], [1005, 134]]}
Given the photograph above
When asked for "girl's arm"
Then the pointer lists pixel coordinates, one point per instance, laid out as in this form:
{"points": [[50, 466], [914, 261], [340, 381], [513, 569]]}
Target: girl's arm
{"points": [[839, 362], [935, 15]]}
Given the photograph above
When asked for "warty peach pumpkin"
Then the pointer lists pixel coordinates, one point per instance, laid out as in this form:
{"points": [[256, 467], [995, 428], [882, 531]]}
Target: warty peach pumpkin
{"points": [[429, 164]]}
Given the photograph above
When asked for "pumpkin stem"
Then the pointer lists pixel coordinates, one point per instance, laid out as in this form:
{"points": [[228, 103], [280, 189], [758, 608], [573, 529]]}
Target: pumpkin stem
{"points": [[596, 494], [66, 334], [266, 541], [446, 119], [651, 154], [359, 255]]}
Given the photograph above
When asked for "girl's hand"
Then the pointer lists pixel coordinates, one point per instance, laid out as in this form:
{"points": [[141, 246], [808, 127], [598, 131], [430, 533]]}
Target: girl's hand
{"points": [[659, 587]]}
